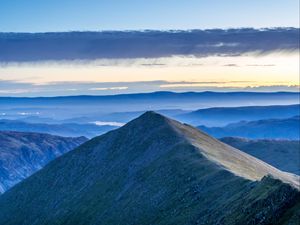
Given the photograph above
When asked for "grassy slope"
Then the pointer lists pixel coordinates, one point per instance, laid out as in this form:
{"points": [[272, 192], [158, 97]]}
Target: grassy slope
{"points": [[275, 152]]}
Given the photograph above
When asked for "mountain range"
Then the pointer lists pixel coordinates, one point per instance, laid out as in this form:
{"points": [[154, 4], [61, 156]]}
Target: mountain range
{"points": [[60, 108], [270, 129], [154, 170], [63, 129], [221, 116], [22, 154]]}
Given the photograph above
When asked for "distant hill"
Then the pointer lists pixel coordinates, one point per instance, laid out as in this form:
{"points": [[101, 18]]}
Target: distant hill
{"points": [[22, 154], [60, 108], [153, 170], [271, 128], [282, 154], [224, 115], [64, 129]]}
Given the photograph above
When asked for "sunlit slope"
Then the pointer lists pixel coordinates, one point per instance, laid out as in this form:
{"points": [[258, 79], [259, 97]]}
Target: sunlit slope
{"points": [[232, 159], [280, 153]]}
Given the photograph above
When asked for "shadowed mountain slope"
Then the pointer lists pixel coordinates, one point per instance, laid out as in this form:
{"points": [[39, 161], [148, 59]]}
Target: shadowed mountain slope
{"points": [[282, 154], [22, 154], [152, 171]]}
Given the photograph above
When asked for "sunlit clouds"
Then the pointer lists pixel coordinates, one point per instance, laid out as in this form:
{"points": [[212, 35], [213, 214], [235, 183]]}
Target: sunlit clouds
{"points": [[238, 71]]}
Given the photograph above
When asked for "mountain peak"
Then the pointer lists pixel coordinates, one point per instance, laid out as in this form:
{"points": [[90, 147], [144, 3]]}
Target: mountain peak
{"points": [[152, 115], [152, 170], [149, 121], [233, 160]]}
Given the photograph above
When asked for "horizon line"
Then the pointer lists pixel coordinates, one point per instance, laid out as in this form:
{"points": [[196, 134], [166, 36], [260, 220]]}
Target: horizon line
{"points": [[150, 30], [157, 92]]}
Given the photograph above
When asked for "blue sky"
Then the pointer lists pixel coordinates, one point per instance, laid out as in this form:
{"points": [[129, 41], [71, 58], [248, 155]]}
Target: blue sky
{"points": [[66, 15]]}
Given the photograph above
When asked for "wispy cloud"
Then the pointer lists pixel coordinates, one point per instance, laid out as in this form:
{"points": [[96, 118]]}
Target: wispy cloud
{"points": [[231, 65], [106, 123], [261, 65], [107, 88], [215, 84], [14, 91]]}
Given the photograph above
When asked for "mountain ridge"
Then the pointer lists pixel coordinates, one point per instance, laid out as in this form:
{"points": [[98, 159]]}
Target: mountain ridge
{"points": [[60, 129], [272, 151], [221, 116], [222, 151], [286, 128], [154, 93]]}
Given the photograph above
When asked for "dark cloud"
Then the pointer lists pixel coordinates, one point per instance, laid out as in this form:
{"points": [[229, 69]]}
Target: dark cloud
{"points": [[231, 65], [20, 47]]}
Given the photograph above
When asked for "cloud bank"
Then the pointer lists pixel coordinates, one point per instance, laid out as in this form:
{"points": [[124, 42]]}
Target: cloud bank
{"points": [[30, 47]]}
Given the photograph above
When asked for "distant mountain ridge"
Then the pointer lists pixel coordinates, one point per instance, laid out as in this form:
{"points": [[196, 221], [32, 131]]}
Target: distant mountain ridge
{"points": [[220, 116], [64, 129], [151, 95], [66, 107], [153, 170], [22, 154], [264, 129]]}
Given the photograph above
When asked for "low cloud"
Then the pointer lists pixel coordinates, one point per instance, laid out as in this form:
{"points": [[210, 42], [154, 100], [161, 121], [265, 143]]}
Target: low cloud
{"points": [[261, 65], [231, 65], [105, 123], [107, 88]]}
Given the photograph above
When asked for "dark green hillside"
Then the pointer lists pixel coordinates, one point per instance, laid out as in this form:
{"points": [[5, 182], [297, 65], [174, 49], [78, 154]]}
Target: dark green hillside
{"points": [[151, 171]]}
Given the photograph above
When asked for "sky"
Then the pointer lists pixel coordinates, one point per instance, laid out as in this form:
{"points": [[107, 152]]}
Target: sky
{"points": [[69, 15], [243, 69]]}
